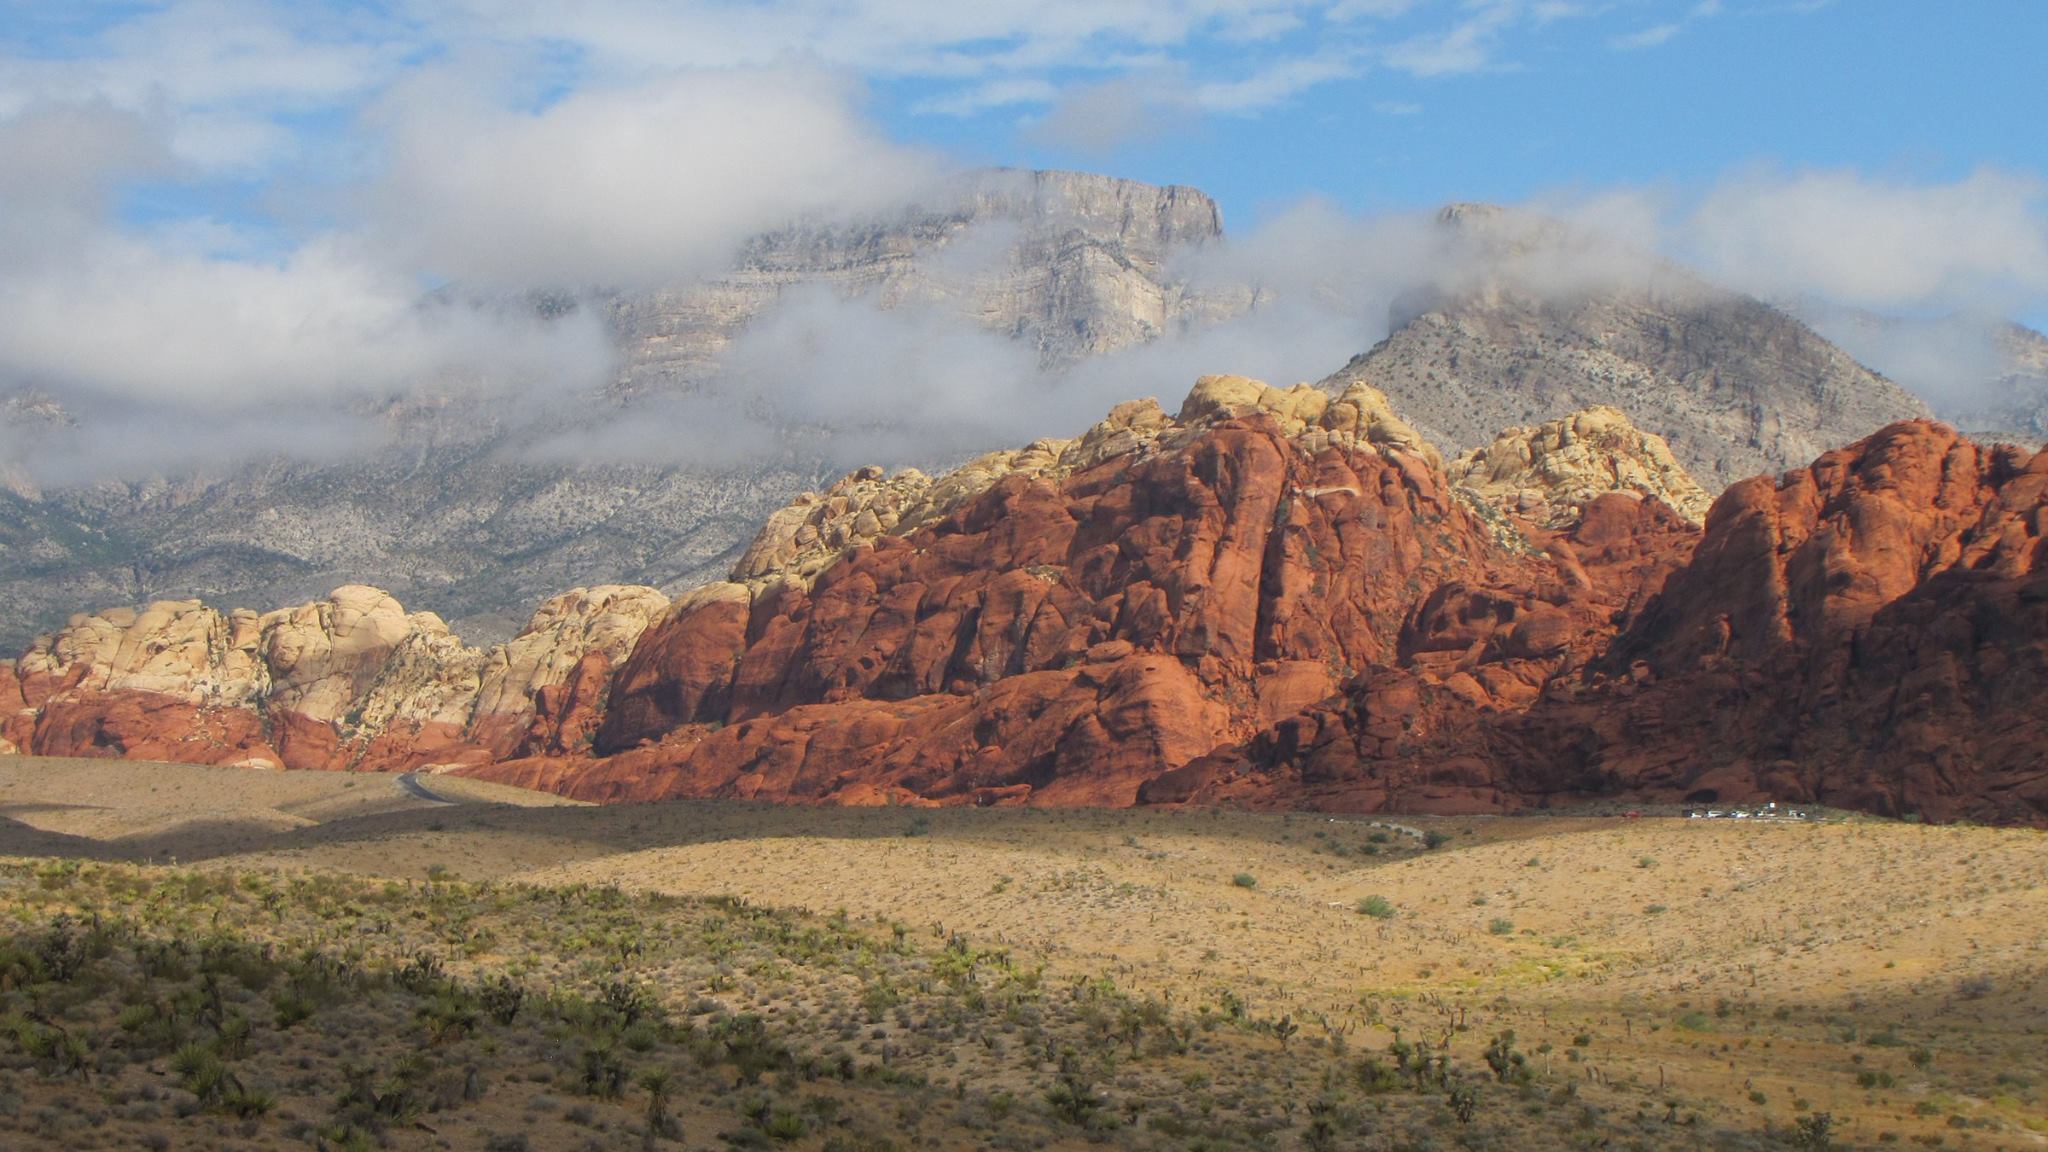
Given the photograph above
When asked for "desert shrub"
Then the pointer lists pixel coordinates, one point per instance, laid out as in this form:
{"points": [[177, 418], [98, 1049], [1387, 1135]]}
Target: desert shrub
{"points": [[1245, 880], [1814, 1133], [1377, 907]]}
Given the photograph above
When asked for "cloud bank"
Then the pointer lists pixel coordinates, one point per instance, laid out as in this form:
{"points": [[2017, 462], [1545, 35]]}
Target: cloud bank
{"points": [[231, 227]]}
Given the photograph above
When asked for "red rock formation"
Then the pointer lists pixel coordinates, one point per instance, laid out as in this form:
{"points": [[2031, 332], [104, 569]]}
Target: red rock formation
{"points": [[150, 726], [1067, 637], [1275, 599], [1870, 633]]}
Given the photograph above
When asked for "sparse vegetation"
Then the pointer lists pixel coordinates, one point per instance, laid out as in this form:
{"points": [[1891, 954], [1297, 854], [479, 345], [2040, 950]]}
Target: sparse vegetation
{"points": [[1025, 979]]}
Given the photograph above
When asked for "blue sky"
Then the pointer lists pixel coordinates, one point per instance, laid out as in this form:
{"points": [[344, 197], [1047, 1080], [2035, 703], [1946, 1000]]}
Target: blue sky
{"points": [[1373, 103], [206, 199], [1900, 89]]}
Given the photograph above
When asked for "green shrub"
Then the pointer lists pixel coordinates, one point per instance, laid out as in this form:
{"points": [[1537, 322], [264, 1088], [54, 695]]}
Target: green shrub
{"points": [[1377, 907]]}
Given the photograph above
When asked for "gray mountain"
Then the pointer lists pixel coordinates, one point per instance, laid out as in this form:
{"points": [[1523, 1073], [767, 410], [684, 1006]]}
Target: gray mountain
{"points": [[2015, 404], [1537, 320], [460, 516], [454, 517], [1078, 269], [1986, 376]]}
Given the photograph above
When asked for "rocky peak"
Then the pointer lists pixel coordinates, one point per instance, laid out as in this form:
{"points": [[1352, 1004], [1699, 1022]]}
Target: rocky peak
{"points": [[806, 536], [1735, 387], [1154, 218], [1551, 471]]}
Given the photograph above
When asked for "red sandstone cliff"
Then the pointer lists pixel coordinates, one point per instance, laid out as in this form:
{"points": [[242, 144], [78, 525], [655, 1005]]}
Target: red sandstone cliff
{"points": [[1081, 628], [1870, 632]]}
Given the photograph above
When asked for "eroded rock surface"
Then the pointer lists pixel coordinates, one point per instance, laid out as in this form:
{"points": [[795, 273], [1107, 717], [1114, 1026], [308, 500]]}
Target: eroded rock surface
{"points": [[1073, 623], [352, 681], [1550, 472], [1869, 632]]}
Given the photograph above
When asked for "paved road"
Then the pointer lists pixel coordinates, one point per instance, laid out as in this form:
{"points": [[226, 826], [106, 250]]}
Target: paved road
{"points": [[409, 782]]}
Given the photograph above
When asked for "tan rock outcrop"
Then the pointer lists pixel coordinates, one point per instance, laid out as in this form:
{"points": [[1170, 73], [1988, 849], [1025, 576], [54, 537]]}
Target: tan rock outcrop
{"points": [[601, 623], [324, 656], [353, 681], [1550, 472], [175, 647], [812, 530]]}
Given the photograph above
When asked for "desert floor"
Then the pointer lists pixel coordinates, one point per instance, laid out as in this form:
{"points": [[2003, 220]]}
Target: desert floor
{"points": [[1889, 974]]}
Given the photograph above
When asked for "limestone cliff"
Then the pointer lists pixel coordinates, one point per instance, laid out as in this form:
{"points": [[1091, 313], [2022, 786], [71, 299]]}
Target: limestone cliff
{"points": [[460, 514]]}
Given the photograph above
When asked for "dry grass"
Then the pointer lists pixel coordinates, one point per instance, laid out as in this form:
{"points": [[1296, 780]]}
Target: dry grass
{"points": [[1743, 975]]}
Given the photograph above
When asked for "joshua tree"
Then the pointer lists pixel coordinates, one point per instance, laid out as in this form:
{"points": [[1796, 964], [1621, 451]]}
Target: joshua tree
{"points": [[655, 1082], [1286, 1029]]}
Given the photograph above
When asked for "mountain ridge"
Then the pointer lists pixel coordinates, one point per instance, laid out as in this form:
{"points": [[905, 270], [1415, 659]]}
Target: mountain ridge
{"points": [[1272, 598]]}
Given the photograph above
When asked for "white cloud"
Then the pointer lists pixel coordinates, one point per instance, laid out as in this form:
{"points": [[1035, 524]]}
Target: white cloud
{"points": [[627, 187], [62, 163], [1005, 93], [222, 71], [1978, 241], [1649, 37], [176, 342], [652, 138], [323, 324], [1278, 82], [1467, 46], [1100, 118]]}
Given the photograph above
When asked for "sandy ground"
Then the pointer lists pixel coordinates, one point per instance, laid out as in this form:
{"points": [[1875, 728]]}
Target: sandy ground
{"points": [[1671, 940]]}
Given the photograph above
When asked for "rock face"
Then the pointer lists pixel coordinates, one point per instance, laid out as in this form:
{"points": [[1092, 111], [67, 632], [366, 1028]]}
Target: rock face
{"points": [[1082, 270], [2014, 406], [1549, 473], [1094, 615], [1986, 376], [1867, 632], [352, 681], [1539, 326]]}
